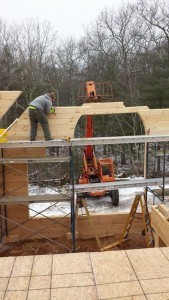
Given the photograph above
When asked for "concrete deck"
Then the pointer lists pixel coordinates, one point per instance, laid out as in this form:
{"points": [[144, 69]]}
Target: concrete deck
{"points": [[123, 275]]}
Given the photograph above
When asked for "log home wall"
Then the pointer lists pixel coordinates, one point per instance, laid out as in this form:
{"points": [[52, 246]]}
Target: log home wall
{"points": [[62, 124], [16, 184], [105, 225]]}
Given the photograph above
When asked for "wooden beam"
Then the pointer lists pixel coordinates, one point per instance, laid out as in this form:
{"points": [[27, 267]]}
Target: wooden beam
{"points": [[159, 191], [14, 160], [34, 198], [63, 123], [160, 225], [7, 98], [164, 210], [105, 225], [9, 95]]}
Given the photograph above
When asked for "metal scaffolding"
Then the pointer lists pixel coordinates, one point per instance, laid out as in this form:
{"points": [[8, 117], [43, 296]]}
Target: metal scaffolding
{"points": [[73, 190], [24, 201]]}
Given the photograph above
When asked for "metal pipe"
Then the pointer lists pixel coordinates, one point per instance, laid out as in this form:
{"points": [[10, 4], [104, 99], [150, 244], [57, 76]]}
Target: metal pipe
{"points": [[73, 213], [164, 156]]}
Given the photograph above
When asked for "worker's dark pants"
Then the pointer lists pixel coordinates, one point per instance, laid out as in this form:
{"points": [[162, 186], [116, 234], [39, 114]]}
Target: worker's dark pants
{"points": [[37, 116]]}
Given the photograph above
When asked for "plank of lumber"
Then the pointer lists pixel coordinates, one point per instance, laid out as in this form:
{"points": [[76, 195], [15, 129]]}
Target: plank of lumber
{"points": [[14, 160], [155, 124], [24, 130], [9, 95], [60, 119], [7, 98], [104, 104], [113, 110], [157, 240], [115, 244], [159, 191], [154, 118], [16, 188], [160, 129], [63, 123], [106, 224], [17, 213], [24, 136], [164, 210], [155, 112], [16, 179], [73, 114], [160, 225], [34, 198], [6, 104], [24, 152], [108, 219]]}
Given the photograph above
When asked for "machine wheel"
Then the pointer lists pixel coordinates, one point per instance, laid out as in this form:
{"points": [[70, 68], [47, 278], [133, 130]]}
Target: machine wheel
{"points": [[114, 195]]}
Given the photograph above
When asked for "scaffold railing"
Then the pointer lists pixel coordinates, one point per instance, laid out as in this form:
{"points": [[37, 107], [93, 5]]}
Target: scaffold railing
{"points": [[70, 142]]}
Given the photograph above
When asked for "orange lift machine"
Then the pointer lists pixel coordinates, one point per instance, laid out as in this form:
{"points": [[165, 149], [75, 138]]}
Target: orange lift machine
{"points": [[102, 169]]}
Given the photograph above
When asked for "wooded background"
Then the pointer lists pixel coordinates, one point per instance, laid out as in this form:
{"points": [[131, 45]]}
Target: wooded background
{"points": [[128, 47]]}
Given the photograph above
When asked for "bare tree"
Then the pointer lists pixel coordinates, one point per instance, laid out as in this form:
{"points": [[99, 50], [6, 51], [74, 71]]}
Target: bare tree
{"points": [[156, 14], [68, 63], [34, 43], [7, 61]]}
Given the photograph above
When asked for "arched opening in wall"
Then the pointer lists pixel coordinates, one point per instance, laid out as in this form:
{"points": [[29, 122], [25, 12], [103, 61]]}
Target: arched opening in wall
{"points": [[128, 158]]}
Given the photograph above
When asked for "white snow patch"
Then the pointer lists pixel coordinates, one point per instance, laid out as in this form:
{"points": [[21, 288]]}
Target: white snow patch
{"points": [[95, 205]]}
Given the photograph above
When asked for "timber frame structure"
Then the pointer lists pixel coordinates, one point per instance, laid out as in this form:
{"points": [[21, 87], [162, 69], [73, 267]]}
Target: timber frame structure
{"points": [[19, 151]]}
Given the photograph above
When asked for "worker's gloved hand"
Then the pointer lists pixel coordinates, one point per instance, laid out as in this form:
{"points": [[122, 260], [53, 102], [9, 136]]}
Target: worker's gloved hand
{"points": [[52, 110]]}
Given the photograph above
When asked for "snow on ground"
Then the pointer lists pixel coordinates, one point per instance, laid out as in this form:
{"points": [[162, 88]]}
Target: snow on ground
{"points": [[95, 205], [50, 208]]}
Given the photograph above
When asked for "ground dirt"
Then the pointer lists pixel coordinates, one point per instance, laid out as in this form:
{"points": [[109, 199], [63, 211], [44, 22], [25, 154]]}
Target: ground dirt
{"points": [[40, 247]]}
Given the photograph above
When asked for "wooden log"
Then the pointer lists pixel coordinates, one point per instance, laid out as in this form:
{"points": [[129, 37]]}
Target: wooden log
{"points": [[63, 123], [25, 152], [34, 198], [160, 225], [7, 98], [103, 228], [164, 210], [157, 240]]}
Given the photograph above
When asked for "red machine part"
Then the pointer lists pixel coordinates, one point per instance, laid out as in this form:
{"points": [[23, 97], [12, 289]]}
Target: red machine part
{"points": [[96, 171]]}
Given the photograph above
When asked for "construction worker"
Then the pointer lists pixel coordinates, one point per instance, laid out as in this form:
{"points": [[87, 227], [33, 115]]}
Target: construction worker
{"points": [[39, 108]]}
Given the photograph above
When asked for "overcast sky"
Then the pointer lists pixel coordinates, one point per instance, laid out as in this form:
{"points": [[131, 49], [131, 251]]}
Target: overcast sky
{"points": [[69, 17]]}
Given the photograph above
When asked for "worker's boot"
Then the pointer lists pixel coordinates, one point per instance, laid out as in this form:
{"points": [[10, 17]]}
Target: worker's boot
{"points": [[48, 139]]}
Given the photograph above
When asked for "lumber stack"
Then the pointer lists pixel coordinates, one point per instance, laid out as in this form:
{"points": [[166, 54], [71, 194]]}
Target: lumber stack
{"points": [[160, 223], [63, 123], [105, 225]]}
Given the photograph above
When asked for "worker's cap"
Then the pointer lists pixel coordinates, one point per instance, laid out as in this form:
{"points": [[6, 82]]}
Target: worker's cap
{"points": [[52, 95]]}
